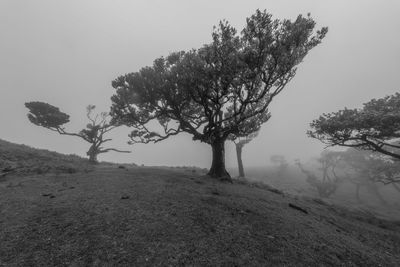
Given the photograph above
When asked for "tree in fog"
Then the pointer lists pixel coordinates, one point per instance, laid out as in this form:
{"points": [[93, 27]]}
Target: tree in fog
{"points": [[327, 181], [240, 142], [375, 127], [50, 117], [280, 162], [367, 169], [221, 89]]}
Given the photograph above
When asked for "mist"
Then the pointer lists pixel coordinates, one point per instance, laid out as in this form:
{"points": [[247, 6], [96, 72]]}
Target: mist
{"points": [[277, 145], [67, 53]]}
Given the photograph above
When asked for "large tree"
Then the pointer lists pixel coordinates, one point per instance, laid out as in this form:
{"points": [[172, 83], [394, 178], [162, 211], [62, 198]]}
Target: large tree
{"points": [[50, 117], [374, 127], [221, 89]]}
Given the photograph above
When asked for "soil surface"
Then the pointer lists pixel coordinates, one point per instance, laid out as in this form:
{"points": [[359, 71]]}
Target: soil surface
{"points": [[142, 216]]}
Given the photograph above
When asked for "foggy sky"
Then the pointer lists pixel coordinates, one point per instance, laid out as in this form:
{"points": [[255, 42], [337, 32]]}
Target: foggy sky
{"points": [[67, 53]]}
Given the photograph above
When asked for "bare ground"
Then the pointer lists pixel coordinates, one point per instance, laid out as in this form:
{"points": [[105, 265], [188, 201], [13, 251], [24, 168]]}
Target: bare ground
{"points": [[161, 217]]}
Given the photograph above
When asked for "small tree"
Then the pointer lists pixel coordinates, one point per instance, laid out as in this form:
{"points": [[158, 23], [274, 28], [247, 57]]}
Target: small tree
{"points": [[329, 181], [50, 117], [240, 142], [221, 89], [375, 127]]}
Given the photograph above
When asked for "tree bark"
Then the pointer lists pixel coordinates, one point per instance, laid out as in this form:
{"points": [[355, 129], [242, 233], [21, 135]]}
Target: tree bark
{"points": [[218, 169], [239, 159], [92, 153]]}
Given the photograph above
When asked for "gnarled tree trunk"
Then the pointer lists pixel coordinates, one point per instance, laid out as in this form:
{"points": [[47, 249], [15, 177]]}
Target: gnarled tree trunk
{"points": [[92, 153], [218, 169], [239, 159]]}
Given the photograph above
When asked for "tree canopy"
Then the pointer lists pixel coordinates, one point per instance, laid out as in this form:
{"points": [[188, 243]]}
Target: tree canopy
{"points": [[222, 89], [374, 127], [46, 115], [50, 117], [372, 167]]}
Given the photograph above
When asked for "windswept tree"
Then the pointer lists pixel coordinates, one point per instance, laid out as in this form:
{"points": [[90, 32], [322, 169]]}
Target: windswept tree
{"points": [[240, 142], [375, 127], [326, 180], [50, 117], [366, 169], [221, 89]]}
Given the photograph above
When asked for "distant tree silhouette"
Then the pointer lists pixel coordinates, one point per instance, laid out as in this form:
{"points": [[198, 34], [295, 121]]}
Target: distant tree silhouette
{"points": [[329, 181], [221, 89], [240, 142], [50, 117], [280, 162], [367, 169], [375, 127]]}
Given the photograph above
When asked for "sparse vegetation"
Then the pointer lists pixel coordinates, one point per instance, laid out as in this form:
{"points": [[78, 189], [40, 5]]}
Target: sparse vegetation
{"points": [[22, 159], [294, 182], [159, 216], [50, 117]]}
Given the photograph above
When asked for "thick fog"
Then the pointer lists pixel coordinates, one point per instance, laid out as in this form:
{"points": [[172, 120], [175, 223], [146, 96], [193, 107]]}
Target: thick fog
{"points": [[67, 53]]}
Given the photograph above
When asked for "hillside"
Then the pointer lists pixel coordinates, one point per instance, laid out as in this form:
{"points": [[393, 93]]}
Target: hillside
{"points": [[22, 159], [143, 216], [294, 182]]}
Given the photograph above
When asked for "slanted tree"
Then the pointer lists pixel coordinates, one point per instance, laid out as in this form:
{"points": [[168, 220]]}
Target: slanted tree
{"points": [[221, 89], [367, 169], [50, 117], [240, 142], [374, 127], [329, 180]]}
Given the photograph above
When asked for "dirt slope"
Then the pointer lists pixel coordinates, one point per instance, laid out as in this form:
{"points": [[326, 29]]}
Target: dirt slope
{"points": [[160, 217]]}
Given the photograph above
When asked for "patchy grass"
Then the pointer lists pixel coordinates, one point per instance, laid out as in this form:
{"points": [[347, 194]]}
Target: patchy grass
{"points": [[22, 160], [294, 182], [135, 216]]}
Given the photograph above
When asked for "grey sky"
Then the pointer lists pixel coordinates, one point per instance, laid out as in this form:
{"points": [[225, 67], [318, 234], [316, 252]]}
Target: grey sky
{"points": [[67, 53]]}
